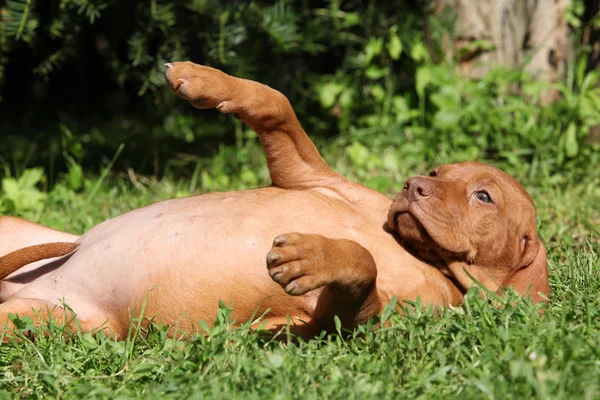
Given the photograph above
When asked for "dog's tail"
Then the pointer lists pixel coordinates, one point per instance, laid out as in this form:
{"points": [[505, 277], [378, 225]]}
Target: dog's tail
{"points": [[11, 262]]}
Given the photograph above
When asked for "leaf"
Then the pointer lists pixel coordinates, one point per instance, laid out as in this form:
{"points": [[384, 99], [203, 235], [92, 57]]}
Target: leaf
{"points": [[75, 176], [373, 48], [275, 360], [31, 177], [374, 72], [328, 93], [18, 13], [445, 101], [447, 118], [580, 68], [21, 194], [419, 52], [391, 161], [389, 309], [10, 187], [589, 81], [474, 46], [205, 327], [279, 21], [400, 109], [378, 92], [249, 177], [571, 143], [338, 324], [359, 154], [423, 78], [346, 98], [20, 323], [88, 341], [394, 46], [351, 19]]}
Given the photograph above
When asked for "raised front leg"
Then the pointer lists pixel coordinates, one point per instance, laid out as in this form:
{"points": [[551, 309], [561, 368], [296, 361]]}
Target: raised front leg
{"points": [[344, 269], [293, 160]]}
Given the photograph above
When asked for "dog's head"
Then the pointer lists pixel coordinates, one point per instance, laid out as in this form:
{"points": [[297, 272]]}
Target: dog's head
{"points": [[473, 217]]}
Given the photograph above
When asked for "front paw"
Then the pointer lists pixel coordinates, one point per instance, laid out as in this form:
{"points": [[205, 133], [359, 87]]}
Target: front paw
{"points": [[297, 262]]}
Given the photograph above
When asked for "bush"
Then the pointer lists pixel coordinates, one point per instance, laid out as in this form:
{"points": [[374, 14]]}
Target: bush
{"points": [[80, 78]]}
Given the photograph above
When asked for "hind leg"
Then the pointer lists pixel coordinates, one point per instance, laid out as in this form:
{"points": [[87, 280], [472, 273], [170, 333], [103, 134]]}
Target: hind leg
{"points": [[16, 233], [41, 312]]}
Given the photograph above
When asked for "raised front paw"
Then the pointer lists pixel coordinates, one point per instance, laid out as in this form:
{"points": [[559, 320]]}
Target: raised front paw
{"points": [[203, 87], [298, 262]]}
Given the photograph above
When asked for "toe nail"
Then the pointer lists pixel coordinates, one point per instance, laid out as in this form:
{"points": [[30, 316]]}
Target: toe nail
{"points": [[279, 241], [178, 83], [271, 258], [291, 287], [275, 275]]}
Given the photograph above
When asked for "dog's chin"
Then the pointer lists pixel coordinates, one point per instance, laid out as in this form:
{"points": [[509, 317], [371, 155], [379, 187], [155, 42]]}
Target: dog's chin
{"points": [[411, 230], [413, 233]]}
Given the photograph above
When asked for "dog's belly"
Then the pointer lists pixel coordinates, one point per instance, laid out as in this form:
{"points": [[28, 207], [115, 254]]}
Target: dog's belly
{"points": [[182, 256]]}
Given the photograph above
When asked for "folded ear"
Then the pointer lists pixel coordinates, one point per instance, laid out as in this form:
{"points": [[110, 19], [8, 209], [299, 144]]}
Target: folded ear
{"points": [[531, 278]]}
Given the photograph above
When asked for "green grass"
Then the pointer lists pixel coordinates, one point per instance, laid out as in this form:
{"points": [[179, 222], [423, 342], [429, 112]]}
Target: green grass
{"points": [[393, 126], [479, 350]]}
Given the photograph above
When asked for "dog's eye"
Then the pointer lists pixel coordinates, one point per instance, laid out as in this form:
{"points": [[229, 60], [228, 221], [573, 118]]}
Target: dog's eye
{"points": [[433, 173], [483, 196]]}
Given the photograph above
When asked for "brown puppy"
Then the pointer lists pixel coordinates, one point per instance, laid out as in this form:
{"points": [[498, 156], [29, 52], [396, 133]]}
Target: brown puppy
{"points": [[354, 248]]}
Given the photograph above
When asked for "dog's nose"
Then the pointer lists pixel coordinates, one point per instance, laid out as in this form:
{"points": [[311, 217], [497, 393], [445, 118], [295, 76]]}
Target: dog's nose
{"points": [[417, 188]]}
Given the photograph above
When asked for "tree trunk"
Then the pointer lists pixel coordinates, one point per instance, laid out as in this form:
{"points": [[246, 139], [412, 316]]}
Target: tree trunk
{"points": [[512, 33]]}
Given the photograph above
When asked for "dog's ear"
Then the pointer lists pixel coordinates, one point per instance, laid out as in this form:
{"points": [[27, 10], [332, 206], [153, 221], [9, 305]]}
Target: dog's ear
{"points": [[531, 276]]}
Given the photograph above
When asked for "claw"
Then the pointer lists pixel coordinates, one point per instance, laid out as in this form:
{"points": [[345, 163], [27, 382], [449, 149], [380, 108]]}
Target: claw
{"points": [[291, 287], [272, 257], [279, 241], [178, 84]]}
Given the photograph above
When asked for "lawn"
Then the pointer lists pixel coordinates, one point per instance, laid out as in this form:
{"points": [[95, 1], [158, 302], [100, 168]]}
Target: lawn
{"points": [[87, 123], [500, 349]]}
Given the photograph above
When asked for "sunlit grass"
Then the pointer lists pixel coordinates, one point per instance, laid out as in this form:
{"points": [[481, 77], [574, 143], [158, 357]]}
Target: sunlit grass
{"points": [[474, 351]]}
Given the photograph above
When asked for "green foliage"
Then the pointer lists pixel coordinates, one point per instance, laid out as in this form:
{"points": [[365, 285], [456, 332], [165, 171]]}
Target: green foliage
{"points": [[21, 194], [490, 118], [355, 71], [19, 21], [313, 49]]}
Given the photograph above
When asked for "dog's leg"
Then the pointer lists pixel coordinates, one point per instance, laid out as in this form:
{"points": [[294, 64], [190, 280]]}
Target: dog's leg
{"points": [[293, 160], [345, 270], [17, 233], [16, 311], [18, 265]]}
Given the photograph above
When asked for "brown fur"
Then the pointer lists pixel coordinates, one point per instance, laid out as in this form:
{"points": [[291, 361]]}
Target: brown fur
{"points": [[339, 249]]}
